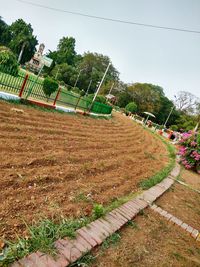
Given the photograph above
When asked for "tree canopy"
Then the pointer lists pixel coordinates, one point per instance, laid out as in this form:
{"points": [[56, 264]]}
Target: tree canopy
{"points": [[22, 38]]}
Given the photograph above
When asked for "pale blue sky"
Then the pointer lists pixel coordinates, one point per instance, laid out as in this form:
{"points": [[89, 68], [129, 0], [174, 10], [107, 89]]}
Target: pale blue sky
{"points": [[169, 59]]}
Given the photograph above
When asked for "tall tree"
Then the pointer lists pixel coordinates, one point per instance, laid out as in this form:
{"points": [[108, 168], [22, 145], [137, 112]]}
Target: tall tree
{"points": [[186, 102], [23, 41], [92, 67], [5, 35], [66, 51]]}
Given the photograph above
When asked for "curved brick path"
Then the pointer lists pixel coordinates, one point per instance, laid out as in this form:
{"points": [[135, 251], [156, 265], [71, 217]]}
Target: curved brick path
{"points": [[96, 232]]}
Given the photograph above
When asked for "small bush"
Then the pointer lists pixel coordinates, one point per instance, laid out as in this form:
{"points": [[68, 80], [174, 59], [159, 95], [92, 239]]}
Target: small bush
{"points": [[98, 211], [49, 86], [174, 127], [131, 107]]}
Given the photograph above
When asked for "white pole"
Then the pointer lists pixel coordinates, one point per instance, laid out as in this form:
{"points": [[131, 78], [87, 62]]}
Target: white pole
{"points": [[88, 87], [111, 88], [101, 82], [168, 116]]}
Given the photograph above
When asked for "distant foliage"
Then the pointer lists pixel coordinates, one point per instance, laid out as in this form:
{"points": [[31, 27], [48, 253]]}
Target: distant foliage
{"points": [[8, 61], [189, 150], [49, 86], [99, 98], [131, 107]]}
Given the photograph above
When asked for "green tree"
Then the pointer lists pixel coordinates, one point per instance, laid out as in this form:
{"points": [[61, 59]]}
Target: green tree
{"points": [[93, 66], [8, 61], [123, 99], [66, 51], [22, 40], [5, 35], [131, 107]]}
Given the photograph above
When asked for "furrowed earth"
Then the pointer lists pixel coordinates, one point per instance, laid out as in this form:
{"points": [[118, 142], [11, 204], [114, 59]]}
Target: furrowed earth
{"points": [[54, 165]]}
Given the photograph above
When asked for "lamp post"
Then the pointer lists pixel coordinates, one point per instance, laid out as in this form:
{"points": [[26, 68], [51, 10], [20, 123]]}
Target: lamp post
{"points": [[169, 116], [77, 78], [99, 87], [88, 87]]}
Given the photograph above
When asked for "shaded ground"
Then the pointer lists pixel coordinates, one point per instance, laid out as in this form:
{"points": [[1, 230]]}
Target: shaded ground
{"points": [[156, 242], [57, 164]]}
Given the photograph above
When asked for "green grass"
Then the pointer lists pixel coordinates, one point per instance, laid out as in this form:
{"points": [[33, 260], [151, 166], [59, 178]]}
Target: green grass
{"points": [[41, 237], [158, 177]]}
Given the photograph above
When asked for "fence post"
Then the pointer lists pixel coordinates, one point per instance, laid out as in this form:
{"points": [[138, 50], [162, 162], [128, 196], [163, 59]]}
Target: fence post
{"points": [[23, 85], [57, 95]]}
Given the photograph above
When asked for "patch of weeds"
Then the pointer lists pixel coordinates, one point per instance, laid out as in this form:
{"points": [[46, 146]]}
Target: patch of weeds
{"points": [[177, 256], [98, 211], [85, 261], [40, 237], [149, 155], [111, 240], [132, 224], [82, 197]]}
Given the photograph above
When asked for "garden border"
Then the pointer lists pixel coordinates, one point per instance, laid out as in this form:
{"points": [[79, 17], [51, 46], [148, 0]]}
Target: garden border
{"points": [[88, 237]]}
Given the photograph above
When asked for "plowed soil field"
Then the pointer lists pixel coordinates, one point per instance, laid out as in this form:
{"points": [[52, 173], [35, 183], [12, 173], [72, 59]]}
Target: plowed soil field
{"points": [[54, 165]]}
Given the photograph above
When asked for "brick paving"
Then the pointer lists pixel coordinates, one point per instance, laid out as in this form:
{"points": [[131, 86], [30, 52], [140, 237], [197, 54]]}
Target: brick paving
{"points": [[192, 231], [96, 232]]}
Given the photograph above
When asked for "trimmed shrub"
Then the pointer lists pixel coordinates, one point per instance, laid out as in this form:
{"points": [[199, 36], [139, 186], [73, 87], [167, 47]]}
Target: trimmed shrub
{"points": [[131, 107], [49, 86], [189, 150]]}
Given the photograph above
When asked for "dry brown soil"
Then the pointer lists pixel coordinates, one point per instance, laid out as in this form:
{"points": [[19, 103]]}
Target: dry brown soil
{"points": [[156, 242], [54, 164]]}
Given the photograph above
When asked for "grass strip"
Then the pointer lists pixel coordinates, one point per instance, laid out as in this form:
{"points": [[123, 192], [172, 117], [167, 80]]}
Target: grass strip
{"points": [[158, 177]]}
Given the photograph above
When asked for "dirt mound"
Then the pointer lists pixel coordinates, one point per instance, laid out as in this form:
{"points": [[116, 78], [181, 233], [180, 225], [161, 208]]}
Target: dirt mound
{"points": [[58, 164]]}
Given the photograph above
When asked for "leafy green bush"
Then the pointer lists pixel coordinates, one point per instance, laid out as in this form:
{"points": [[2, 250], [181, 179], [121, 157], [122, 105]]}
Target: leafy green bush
{"points": [[99, 98], [49, 86], [8, 61], [98, 211], [174, 127], [131, 107]]}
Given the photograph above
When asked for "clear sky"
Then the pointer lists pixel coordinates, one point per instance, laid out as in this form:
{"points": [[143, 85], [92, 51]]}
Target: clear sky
{"points": [[167, 58]]}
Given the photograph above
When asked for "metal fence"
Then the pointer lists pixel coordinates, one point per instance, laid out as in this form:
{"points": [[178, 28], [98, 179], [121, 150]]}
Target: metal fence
{"points": [[19, 83]]}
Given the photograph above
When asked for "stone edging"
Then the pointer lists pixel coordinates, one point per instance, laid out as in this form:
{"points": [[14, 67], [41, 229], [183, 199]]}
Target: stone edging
{"points": [[192, 231], [97, 231]]}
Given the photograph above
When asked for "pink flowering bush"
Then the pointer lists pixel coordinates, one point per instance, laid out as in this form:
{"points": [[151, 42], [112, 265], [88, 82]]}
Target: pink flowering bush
{"points": [[189, 150]]}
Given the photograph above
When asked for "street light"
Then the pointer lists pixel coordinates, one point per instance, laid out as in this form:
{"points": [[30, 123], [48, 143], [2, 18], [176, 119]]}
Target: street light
{"points": [[172, 108], [78, 77]]}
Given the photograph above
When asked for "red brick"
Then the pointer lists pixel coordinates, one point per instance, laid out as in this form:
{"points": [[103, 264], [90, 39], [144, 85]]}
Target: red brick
{"points": [[113, 221], [50, 262], [141, 203], [99, 229], [119, 215], [87, 237], [106, 226], [125, 213], [103, 226], [67, 249], [195, 233], [116, 219], [132, 207], [184, 225], [122, 220], [153, 207], [93, 234], [84, 243], [111, 227], [189, 229]]}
